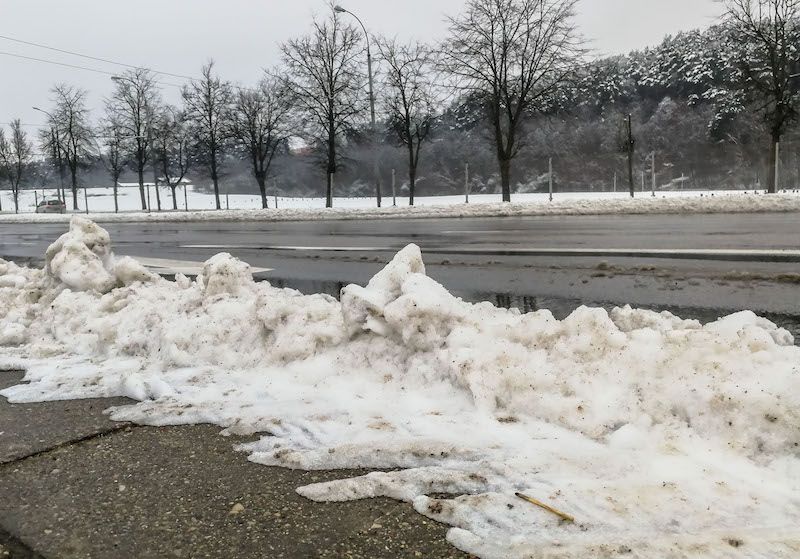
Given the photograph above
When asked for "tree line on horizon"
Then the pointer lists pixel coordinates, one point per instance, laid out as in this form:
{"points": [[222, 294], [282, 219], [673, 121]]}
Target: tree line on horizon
{"points": [[509, 92]]}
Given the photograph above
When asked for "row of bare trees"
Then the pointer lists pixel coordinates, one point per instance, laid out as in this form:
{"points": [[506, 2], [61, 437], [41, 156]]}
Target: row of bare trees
{"points": [[511, 57], [16, 153], [516, 57], [510, 53], [140, 132]]}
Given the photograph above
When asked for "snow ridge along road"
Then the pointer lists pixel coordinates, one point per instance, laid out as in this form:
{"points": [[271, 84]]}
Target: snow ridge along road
{"points": [[684, 204], [662, 437]]}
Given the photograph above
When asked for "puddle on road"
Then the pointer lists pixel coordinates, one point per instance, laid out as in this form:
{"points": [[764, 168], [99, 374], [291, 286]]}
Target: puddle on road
{"points": [[560, 307]]}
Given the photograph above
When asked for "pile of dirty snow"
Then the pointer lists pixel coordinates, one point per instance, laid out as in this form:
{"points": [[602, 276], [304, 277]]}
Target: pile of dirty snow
{"points": [[662, 437]]}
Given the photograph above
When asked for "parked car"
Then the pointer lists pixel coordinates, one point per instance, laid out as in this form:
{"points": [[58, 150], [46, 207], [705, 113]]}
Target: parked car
{"points": [[51, 207]]}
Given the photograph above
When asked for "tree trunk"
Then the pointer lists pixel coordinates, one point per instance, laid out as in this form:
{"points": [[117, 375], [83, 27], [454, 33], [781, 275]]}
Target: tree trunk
{"points": [[62, 192], [16, 200], [261, 179], [158, 197], [331, 167], [412, 184], [174, 197], [215, 178], [412, 175], [140, 170], [74, 175], [505, 178], [116, 201], [773, 162], [377, 171]]}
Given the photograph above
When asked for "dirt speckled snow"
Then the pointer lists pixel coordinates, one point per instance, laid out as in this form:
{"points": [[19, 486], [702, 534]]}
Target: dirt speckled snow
{"points": [[663, 437]]}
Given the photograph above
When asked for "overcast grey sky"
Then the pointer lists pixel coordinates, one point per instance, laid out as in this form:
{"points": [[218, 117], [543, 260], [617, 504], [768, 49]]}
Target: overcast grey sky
{"points": [[178, 36]]}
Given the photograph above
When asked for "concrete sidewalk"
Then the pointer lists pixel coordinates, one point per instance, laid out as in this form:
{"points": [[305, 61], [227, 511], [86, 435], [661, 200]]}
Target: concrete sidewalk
{"points": [[74, 484]]}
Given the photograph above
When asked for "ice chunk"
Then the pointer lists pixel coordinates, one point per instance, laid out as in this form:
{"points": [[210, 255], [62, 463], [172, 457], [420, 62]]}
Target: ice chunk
{"points": [[363, 306], [225, 274]]}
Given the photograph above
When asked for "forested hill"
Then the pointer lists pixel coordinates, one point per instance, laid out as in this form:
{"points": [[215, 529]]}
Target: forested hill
{"points": [[684, 106]]}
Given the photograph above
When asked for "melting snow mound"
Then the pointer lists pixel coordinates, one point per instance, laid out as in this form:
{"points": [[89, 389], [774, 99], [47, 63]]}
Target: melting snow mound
{"points": [[662, 437]]}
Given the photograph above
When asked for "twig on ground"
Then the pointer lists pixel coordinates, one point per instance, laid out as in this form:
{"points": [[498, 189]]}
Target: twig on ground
{"points": [[564, 516]]}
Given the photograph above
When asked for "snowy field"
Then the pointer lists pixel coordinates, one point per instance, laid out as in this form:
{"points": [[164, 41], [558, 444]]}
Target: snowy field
{"points": [[660, 437], [247, 207]]}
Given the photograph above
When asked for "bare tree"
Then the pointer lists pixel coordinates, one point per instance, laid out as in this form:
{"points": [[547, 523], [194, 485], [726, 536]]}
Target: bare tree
{"points": [[70, 121], [259, 125], [410, 103], [15, 156], [208, 105], [49, 141], [173, 149], [323, 75], [133, 103], [514, 54], [767, 34], [114, 156], [4, 148]]}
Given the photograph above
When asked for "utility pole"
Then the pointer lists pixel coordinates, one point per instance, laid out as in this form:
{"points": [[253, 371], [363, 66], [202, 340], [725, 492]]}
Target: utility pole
{"points": [[653, 172], [394, 189], [550, 176], [630, 145]]}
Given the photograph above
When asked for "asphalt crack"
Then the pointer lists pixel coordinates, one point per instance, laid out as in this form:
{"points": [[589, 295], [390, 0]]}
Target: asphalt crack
{"points": [[12, 547], [70, 442]]}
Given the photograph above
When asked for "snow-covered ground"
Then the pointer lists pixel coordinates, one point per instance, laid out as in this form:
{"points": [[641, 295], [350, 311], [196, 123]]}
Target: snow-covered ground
{"points": [[247, 207], [662, 437]]}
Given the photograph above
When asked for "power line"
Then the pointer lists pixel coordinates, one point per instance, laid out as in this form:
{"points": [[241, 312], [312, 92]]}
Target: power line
{"points": [[26, 124], [95, 70], [98, 59], [57, 63]]}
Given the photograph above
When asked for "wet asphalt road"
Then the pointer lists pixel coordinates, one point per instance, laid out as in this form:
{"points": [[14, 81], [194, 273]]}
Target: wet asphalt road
{"points": [[558, 260], [717, 231]]}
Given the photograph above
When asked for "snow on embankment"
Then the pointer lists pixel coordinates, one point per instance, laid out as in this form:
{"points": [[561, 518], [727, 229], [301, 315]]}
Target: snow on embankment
{"points": [[662, 437], [688, 204]]}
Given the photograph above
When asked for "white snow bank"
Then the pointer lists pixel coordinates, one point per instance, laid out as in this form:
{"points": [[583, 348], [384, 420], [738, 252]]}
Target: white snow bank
{"points": [[663, 437], [453, 206]]}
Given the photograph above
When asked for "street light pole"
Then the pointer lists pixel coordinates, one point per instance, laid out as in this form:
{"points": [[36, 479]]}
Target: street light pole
{"points": [[342, 10]]}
